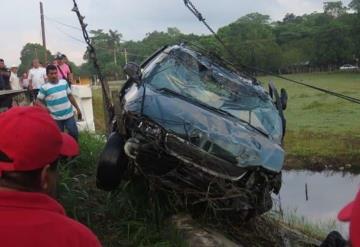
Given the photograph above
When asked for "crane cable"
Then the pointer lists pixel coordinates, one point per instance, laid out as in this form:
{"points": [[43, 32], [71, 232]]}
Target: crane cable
{"points": [[104, 85], [200, 17]]}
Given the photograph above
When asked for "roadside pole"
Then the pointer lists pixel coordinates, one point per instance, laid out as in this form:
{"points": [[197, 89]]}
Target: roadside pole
{"points": [[43, 31]]}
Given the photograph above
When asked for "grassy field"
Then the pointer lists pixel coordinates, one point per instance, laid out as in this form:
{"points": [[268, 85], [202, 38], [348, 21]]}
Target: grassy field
{"points": [[321, 130]]}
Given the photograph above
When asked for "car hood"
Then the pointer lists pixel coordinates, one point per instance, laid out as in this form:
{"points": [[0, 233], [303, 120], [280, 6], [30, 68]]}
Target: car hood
{"points": [[225, 137]]}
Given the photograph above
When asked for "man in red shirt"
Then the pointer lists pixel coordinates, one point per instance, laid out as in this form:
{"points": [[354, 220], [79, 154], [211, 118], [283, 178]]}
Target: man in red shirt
{"points": [[30, 145]]}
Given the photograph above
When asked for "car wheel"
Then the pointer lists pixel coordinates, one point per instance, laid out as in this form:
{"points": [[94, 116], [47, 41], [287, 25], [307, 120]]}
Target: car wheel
{"points": [[112, 164]]}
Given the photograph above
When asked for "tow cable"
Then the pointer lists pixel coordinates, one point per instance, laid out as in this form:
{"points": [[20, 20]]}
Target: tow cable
{"points": [[200, 17]]}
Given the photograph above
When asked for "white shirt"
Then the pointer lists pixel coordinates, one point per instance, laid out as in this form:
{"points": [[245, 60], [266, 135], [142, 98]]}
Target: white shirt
{"points": [[25, 83], [14, 82], [37, 76]]}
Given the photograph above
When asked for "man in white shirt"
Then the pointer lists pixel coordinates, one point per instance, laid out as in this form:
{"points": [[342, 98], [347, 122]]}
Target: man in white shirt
{"points": [[37, 75], [14, 79]]}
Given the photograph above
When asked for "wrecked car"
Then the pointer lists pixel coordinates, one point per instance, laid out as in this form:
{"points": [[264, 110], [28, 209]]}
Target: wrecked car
{"points": [[192, 124]]}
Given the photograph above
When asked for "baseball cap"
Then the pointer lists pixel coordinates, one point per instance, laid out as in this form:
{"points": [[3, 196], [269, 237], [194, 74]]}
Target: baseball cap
{"points": [[351, 213], [30, 139], [59, 56]]}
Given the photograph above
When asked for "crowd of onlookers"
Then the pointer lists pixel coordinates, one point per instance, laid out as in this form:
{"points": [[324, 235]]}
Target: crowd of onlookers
{"points": [[32, 142], [35, 75]]}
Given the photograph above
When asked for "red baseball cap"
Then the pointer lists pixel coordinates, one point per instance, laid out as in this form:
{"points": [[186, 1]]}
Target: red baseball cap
{"points": [[31, 139], [351, 213]]}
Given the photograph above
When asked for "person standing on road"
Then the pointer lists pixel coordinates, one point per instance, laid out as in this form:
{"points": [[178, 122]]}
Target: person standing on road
{"points": [[4, 76], [30, 146], [56, 96], [63, 69], [14, 79], [6, 102], [24, 81], [37, 75]]}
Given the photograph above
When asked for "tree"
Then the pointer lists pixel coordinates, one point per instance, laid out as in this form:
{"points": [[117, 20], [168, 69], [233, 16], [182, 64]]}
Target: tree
{"points": [[334, 9], [289, 17], [252, 39], [29, 52], [334, 45], [355, 5], [108, 49]]}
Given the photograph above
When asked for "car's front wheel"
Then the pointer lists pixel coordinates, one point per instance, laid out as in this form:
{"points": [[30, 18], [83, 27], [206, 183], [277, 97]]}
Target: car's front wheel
{"points": [[112, 164]]}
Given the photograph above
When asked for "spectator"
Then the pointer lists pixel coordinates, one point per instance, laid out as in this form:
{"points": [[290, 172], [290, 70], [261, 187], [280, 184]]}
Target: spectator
{"points": [[66, 60], [28, 177], [56, 96], [37, 75], [350, 213], [14, 79], [24, 81], [63, 69], [6, 101], [4, 76]]}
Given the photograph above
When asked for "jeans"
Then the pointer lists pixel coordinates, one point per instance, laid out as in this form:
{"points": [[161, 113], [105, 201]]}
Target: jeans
{"points": [[70, 125]]}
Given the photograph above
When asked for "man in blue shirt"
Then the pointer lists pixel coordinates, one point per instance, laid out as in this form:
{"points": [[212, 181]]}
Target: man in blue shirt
{"points": [[56, 96]]}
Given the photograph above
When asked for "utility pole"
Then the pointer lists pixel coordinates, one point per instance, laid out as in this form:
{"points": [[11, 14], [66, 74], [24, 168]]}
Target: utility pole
{"points": [[43, 30], [126, 57], [126, 60], [36, 53], [115, 59]]}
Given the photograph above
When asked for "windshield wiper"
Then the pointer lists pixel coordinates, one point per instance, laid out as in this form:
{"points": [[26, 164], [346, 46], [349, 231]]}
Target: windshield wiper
{"points": [[223, 112]]}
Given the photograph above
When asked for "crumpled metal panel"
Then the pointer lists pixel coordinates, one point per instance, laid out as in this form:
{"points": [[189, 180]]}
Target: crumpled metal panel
{"points": [[210, 107]]}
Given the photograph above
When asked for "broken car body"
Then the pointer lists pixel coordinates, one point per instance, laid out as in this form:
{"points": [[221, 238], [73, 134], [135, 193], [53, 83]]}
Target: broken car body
{"points": [[189, 120]]}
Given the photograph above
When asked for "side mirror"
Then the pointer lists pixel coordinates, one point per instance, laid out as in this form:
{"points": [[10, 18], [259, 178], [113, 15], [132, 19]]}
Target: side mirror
{"points": [[283, 98], [133, 71]]}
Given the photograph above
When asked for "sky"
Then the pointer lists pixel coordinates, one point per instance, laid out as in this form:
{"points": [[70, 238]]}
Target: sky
{"points": [[20, 20]]}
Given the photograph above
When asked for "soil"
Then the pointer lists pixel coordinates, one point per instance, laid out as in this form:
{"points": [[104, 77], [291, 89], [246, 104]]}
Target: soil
{"points": [[321, 163]]}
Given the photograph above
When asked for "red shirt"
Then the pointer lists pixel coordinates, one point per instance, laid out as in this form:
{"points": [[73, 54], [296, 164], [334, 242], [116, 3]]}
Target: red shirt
{"points": [[36, 220]]}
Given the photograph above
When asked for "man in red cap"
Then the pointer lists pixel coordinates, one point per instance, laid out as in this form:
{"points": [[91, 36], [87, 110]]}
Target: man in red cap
{"points": [[351, 213], [30, 145]]}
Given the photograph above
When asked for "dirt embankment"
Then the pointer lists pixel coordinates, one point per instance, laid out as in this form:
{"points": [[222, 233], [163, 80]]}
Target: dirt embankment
{"points": [[258, 232], [321, 151], [321, 163]]}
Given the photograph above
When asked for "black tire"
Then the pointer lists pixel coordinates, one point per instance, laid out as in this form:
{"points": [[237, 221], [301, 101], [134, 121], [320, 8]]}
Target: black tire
{"points": [[113, 163]]}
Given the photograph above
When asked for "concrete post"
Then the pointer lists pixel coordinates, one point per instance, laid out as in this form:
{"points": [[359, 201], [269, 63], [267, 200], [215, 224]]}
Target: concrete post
{"points": [[83, 96]]}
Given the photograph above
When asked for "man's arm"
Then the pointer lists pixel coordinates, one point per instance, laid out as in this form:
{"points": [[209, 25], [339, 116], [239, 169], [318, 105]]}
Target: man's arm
{"points": [[45, 76], [40, 100], [30, 86], [5, 73], [41, 103], [74, 103]]}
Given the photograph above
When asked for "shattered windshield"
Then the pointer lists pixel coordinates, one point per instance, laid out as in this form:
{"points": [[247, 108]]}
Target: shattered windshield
{"points": [[197, 78]]}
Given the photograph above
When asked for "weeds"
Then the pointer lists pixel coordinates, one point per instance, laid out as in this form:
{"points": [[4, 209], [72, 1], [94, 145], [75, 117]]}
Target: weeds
{"points": [[121, 218]]}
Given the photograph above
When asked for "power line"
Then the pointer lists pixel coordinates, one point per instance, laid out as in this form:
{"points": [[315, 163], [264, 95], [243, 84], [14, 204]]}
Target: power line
{"points": [[62, 23], [199, 16], [96, 46], [71, 26]]}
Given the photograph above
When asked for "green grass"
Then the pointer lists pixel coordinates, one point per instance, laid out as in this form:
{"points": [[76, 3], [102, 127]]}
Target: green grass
{"points": [[322, 130], [317, 230], [98, 108], [121, 218], [317, 112]]}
